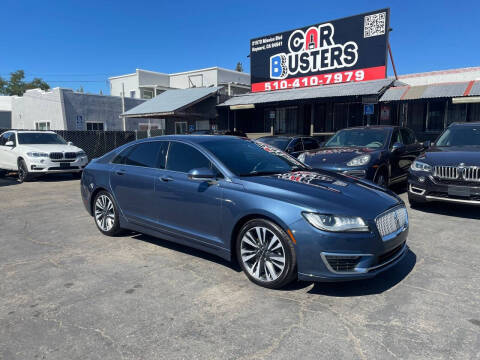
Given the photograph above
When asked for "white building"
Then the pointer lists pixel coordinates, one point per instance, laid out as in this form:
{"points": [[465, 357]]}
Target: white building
{"points": [[144, 84], [442, 76]]}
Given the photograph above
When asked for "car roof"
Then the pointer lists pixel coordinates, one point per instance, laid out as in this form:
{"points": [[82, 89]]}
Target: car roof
{"points": [[197, 139], [35, 131], [386, 127], [475, 123]]}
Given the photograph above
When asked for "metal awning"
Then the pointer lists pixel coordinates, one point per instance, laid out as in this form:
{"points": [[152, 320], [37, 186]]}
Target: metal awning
{"points": [[442, 90], [170, 102], [375, 87]]}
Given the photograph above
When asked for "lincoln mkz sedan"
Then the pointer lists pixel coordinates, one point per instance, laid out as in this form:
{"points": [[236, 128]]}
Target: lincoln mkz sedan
{"points": [[245, 200]]}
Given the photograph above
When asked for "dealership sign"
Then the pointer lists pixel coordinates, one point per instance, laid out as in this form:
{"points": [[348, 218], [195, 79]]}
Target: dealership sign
{"points": [[343, 50]]}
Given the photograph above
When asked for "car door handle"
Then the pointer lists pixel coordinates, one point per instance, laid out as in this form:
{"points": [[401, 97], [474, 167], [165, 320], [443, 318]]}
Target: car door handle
{"points": [[166, 178], [120, 172]]}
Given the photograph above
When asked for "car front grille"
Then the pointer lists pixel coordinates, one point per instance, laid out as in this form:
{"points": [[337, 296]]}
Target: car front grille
{"points": [[342, 263], [70, 155], [392, 221], [466, 173], [56, 155]]}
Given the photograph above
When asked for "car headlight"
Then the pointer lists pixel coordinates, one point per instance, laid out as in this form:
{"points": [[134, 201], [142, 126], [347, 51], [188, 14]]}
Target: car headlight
{"points": [[420, 166], [359, 160], [35, 154], [336, 222], [81, 153]]}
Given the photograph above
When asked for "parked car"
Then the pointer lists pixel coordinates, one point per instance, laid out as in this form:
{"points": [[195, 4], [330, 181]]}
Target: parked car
{"points": [[449, 170], [382, 154], [33, 153], [294, 145], [243, 199]]}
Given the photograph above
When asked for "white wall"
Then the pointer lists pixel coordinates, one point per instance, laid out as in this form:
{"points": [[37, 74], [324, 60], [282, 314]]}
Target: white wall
{"points": [[226, 76], [152, 78], [205, 78], [130, 83], [37, 105], [435, 77], [6, 103]]}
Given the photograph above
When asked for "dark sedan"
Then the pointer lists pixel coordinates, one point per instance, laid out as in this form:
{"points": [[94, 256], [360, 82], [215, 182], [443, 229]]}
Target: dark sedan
{"points": [[242, 199], [294, 145], [382, 154], [450, 169]]}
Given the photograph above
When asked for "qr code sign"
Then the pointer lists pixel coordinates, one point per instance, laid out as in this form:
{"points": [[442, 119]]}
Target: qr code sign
{"points": [[374, 25]]}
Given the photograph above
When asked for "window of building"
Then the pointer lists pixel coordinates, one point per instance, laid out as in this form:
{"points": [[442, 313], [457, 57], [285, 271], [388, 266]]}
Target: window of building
{"points": [[132, 93], [202, 125], [183, 158], [435, 116], [286, 120], [95, 126], [456, 113], [147, 93], [42, 125], [158, 91], [181, 127]]}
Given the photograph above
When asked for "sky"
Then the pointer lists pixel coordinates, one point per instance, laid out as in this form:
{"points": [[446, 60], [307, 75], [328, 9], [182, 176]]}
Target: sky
{"points": [[81, 43]]}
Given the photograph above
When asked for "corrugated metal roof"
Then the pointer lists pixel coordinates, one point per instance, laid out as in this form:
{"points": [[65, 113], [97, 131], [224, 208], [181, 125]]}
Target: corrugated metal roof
{"points": [[170, 101], [335, 90], [445, 90]]}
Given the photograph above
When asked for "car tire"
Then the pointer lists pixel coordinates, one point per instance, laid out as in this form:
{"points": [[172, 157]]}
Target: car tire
{"points": [[415, 201], [23, 174], [77, 175], [266, 254], [105, 214], [381, 179]]}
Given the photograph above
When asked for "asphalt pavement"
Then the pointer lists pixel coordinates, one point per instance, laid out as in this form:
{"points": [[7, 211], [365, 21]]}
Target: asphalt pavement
{"points": [[67, 292]]}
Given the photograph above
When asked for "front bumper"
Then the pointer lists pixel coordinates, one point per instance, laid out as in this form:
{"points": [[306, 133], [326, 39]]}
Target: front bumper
{"points": [[46, 165], [424, 187], [325, 256]]}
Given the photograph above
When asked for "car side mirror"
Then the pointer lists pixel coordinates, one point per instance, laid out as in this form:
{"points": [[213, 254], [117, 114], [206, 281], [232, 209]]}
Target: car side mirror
{"points": [[289, 150], [69, 143], [398, 147], [10, 143], [427, 144], [321, 143], [202, 174]]}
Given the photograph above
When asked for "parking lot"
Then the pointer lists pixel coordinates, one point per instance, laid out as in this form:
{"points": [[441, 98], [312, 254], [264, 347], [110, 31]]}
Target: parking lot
{"points": [[67, 292]]}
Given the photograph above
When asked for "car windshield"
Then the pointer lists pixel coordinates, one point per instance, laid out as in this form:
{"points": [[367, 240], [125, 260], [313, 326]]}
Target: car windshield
{"points": [[370, 138], [252, 158], [460, 136], [279, 142], [39, 138]]}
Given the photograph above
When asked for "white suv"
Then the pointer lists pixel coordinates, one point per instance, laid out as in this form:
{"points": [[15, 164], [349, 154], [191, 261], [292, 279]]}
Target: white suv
{"points": [[33, 153]]}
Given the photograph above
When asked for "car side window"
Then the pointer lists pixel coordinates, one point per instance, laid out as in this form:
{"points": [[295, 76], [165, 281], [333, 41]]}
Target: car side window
{"points": [[296, 145], [13, 138], [146, 155], [120, 158], [396, 137], [183, 158], [310, 144], [407, 136]]}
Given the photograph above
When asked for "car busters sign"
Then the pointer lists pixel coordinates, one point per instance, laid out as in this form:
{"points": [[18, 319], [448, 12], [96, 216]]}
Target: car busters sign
{"points": [[343, 50]]}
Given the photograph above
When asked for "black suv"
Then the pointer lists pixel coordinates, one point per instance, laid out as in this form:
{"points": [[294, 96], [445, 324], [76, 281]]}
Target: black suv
{"points": [[294, 145], [382, 154], [449, 170]]}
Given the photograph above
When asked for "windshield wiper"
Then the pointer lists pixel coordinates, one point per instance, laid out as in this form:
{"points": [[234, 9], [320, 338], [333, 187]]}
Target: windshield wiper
{"points": [[260, 173]]}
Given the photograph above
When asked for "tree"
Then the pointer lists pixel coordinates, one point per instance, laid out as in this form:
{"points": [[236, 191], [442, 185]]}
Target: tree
{"points": [[239, 67], [17, 85]]}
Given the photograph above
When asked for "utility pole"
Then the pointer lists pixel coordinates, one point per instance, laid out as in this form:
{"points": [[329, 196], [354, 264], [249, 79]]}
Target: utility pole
{"points": [[124, 125]]}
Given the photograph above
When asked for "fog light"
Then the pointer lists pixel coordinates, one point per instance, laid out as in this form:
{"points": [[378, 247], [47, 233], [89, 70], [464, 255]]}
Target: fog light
{"points": [[421, 179]]}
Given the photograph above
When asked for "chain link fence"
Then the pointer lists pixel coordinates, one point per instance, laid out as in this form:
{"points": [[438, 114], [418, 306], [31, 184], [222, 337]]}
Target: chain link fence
{"points": [[97, 143]]}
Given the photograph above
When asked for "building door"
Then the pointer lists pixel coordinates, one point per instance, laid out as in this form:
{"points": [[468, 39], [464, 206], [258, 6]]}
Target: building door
{"points": [[180, 127]]}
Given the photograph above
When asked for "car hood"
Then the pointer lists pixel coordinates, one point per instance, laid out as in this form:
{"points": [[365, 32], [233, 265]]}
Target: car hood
{"points": [[334, 155], [48, 148], [325, 191], [452, 156]]}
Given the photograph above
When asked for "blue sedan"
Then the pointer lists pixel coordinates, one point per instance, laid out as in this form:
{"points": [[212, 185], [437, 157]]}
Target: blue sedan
{"points": [[245, 200]]}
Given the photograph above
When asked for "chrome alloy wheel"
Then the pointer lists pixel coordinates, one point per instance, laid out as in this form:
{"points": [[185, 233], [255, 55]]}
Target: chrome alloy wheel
{"points": [[104, 213], [262, 254]]}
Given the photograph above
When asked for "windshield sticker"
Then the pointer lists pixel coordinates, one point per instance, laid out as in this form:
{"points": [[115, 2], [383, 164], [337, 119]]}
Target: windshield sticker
{"points": [[338, 151], [277, 152]]}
